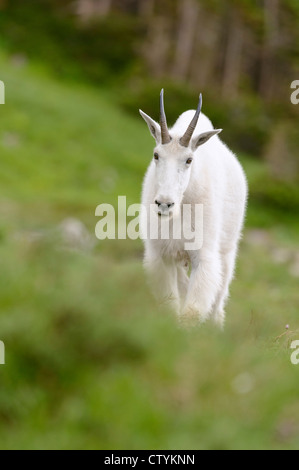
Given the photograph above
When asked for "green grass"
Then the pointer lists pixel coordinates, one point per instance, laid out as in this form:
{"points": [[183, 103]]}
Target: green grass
{"points": [[91, 360]]}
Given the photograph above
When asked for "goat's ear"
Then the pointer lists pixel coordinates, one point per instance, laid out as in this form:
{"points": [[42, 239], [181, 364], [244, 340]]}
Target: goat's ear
{"points": [[153, 126], [203, 138]]}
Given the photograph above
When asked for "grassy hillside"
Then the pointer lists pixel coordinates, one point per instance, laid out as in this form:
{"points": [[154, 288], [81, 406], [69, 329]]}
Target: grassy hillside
{"points": [[91, 361]]}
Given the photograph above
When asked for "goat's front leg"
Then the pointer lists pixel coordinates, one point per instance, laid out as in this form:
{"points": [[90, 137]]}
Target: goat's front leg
{"points": [[205, 282], [164, 282]]}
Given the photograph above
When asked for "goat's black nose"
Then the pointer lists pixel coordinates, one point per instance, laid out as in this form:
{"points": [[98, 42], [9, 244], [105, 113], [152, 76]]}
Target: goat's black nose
{"points": [[164, 204]]}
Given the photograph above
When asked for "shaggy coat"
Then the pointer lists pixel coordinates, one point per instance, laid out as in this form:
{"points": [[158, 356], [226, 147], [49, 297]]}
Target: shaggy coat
{"points": [[195, 282]]}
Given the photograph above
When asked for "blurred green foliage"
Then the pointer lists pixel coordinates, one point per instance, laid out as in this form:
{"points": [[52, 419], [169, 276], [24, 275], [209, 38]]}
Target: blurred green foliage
{"points": [[112, 50], [242, 120], [91, 361], [102, 52]]}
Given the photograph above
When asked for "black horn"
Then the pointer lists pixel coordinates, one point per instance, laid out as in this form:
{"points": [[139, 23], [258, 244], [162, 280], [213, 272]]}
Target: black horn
{"points": [[163, 123], [185, 140]]}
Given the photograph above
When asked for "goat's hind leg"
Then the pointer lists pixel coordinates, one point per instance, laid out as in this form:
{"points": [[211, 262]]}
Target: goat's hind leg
{"points": [[228, 268], [183, 283]]}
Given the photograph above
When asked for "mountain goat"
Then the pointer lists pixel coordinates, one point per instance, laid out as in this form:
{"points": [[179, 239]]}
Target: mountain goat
{"points": [[192, 166]]}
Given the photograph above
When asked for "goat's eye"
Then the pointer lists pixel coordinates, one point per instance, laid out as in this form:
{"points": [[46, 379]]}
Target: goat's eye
{"points": [[189, 161], [156, 156]]}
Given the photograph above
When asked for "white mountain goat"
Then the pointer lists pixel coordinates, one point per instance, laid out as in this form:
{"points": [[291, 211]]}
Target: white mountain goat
{"points": [[192, 166]]}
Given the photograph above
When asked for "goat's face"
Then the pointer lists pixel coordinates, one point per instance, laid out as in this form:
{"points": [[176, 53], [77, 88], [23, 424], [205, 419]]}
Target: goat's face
{"points": [[173, 166], [173, 158]]}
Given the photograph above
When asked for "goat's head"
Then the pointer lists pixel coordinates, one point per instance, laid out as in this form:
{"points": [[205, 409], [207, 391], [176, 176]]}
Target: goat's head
{"points": [[173, 156]]}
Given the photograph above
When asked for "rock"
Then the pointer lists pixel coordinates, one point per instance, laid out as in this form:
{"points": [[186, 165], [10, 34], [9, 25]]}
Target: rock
{"points": [[19, 60], [10, 140], [258, 237], [75, 235], [243, 384], [281, 255]]}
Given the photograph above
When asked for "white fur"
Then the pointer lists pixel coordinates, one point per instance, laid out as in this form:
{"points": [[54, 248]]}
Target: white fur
{"points": [[215, 179]]}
